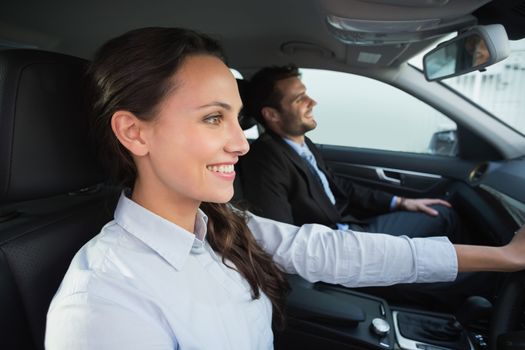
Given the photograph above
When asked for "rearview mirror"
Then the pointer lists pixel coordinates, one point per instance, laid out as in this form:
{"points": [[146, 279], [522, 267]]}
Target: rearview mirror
{"points": [[475, 49]]}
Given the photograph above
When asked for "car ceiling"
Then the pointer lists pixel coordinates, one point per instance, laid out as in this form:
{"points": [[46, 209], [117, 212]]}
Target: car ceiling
{"points": [[254, 33]]}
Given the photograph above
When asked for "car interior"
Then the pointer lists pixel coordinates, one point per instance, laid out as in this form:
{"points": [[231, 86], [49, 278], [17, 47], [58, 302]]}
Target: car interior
{"points": [[54, 196]]}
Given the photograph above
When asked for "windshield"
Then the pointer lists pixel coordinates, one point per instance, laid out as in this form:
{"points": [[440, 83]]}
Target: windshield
{"points": [[500, 89]]}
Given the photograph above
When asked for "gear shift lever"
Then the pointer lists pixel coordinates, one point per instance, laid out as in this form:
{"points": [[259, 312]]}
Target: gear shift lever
{"points": [[473, 309], [445, 332]]}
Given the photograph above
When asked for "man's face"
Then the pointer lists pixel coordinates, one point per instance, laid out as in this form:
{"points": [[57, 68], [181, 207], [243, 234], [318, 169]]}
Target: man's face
{"points": [[296, 108]]}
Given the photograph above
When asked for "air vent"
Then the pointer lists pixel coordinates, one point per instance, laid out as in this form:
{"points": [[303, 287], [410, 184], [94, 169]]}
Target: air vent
{"points": [[477, 173]]}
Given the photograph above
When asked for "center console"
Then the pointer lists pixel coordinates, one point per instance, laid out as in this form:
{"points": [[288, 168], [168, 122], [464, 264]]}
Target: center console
{"points": [[323, 316]]}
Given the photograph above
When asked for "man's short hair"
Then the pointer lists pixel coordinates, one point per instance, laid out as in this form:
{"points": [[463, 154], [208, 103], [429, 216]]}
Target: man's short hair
{"points": [[262, 92]]}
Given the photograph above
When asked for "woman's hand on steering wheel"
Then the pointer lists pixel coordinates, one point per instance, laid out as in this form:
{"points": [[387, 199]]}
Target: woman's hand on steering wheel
{"points": [[515, 250]]}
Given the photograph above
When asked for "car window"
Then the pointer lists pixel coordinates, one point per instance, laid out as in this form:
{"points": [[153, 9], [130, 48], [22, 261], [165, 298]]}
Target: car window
{"points": [[252, 133], [499, 89], [361, 112], [236, 73]]}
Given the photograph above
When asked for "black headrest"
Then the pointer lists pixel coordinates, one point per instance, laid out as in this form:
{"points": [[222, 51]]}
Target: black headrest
{"points": [[44, 148], [246, 121]]}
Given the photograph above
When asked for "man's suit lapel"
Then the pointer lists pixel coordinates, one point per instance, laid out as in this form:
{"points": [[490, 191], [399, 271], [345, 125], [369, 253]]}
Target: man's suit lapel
{"points": [[336, 190], [295, 159], [317, 192], [321, 164]]}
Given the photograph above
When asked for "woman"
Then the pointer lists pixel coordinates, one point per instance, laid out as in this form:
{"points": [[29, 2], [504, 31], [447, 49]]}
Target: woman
{"points": [[180, 268]]}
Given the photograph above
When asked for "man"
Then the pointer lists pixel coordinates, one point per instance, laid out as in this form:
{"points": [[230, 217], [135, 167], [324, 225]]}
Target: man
{"points": [[285, 178]]}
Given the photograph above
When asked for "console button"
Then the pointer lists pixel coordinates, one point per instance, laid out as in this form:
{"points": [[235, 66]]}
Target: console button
{"points": [[380, 327]]}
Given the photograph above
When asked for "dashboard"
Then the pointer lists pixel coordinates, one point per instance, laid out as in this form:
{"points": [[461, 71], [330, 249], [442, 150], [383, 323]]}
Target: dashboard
{"points": [[493, 200], [506, 182]]}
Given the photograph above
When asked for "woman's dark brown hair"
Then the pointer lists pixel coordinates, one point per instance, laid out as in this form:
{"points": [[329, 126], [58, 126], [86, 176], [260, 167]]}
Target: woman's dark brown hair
{"points": [[134, 72]]}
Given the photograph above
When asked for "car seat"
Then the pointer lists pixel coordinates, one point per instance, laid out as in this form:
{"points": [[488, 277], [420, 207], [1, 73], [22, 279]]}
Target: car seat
{"points": [[52, 196], [246, 121]]}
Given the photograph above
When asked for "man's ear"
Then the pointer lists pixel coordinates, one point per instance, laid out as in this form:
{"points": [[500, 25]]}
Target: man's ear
{"points": [[270, 115], [128, 130]]}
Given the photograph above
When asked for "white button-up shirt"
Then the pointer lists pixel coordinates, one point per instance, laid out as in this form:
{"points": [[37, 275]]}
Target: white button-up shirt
{"points": [[146, 283]]}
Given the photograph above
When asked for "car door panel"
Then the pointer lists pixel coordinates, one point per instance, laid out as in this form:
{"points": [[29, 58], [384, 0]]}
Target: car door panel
{"points": [[397, 172], [419, 175]]}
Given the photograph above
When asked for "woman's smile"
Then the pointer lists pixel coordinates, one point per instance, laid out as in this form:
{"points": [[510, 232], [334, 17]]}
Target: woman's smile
{"points": [[225, 171]]}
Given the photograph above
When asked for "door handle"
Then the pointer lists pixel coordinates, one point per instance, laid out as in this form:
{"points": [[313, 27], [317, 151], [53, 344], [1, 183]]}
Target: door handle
{"points": [[382, 176]]}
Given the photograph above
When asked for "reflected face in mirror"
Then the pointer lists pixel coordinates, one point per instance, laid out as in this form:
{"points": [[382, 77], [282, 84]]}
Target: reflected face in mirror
{"points": [[481, 53], [474, 49], [458, 56], [477, 48]]}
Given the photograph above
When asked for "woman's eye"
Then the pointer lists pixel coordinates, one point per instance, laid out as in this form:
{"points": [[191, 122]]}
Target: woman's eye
{"points": [[214, 119]]}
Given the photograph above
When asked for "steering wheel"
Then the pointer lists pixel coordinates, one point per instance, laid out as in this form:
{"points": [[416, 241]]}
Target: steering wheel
{"points": [[506, 332]]}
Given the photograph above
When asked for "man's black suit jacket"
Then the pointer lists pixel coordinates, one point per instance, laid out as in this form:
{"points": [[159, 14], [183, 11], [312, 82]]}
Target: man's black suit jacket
{"points": [[278, 184]]}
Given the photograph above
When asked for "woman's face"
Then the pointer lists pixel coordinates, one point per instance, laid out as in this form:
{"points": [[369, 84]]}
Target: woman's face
{"points": [[195, 138]]}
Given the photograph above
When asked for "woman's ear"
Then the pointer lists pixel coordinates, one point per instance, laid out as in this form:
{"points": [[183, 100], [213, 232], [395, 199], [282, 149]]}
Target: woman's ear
{"points": [[128, 130]]}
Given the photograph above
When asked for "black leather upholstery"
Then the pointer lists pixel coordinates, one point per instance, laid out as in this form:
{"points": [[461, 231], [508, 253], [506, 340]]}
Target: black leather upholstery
{"points": [[43, 127], [246, 120], [45, 161]]}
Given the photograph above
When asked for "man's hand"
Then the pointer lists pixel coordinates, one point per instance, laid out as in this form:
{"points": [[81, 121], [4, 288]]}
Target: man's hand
{"points": [[422, 205]]}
